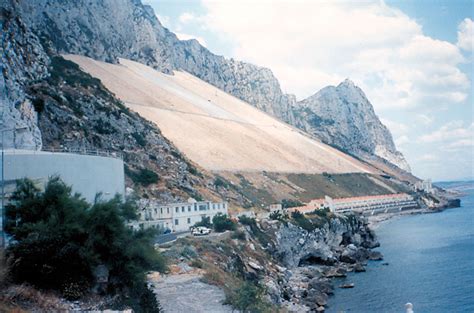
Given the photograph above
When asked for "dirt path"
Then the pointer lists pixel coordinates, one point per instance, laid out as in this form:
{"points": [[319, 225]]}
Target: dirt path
{"points": [[186, 293]]}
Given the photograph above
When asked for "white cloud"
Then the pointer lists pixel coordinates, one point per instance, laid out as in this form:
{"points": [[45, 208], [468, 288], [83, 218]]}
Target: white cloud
{"points": [[396, 128], [451, 132], [402, 140], [310, 44], [183, 36], [424, 119], [186, 17], [466, 34]]}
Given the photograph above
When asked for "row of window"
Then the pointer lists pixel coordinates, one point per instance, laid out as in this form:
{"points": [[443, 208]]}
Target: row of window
{"points": [[202, 207]]}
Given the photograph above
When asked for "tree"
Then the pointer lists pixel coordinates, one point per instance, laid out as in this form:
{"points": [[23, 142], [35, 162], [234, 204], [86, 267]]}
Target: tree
{"points": [[59, 240], [222, 223], [205, 222]]}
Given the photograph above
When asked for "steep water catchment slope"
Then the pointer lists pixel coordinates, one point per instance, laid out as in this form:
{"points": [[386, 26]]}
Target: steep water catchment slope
{"points": [[212, 128], [111, 29]]}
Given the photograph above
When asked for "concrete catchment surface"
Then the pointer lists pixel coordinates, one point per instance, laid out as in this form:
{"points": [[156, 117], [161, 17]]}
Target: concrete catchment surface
{"points": [[213, 128], [87, 174]]}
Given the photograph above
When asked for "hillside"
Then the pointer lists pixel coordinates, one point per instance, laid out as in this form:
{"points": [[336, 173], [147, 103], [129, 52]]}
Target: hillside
{"points": [[212, 128], [132, 31]]}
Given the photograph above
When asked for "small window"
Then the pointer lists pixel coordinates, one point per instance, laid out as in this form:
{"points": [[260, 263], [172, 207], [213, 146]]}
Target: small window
{"points": [[176, 222], [195, 208], [189, 208], [156, 211], [177, 210], [182, 209], [168, 210], [189, 220], [161, 210]]}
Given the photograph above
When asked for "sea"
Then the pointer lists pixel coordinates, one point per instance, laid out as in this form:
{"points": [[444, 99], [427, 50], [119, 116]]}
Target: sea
{"points": [[430, 264]]}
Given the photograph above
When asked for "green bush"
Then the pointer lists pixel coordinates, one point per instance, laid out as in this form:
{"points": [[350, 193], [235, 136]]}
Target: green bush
{"points": [[239, 235], [144, 176], [220, 182], [205, 222], [278, 216], [139, 138], [248, 298], [222, 223], [59, 239], [288, 203], [302, 221]]}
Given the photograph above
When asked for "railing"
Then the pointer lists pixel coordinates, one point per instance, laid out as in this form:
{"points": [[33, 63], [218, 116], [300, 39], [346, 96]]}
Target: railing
{"points": [[91, 152]]}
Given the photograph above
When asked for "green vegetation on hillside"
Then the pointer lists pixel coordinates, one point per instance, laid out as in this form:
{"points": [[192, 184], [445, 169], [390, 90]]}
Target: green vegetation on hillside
{"points": [[59, 242]]}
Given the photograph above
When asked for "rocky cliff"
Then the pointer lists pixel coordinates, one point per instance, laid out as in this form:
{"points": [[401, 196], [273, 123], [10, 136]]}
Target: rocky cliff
{"points": [[343, 117], [291, 260], [22, 60], [106, 30]]}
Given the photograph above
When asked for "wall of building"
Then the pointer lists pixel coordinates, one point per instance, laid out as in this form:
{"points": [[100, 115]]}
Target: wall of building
{"points": [[87, 174], [178, 216]]}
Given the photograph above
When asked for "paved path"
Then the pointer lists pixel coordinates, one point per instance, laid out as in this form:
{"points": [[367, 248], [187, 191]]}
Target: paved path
{"points": [[186, 293]]}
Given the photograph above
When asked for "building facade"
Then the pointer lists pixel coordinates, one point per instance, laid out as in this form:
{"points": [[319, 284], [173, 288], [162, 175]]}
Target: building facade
{"points": [[367, 205], [177, 216]]}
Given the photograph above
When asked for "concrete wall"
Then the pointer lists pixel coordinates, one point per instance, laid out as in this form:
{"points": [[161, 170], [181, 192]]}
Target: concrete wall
{"points": [[86, 174]]}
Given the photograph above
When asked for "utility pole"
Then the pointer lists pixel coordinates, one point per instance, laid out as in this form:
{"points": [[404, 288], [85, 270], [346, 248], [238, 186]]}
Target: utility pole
{"points": [[3, 131]]}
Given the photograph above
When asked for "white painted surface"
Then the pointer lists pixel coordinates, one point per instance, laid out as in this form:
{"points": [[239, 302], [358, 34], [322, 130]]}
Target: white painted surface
{"points": [[87, 174]]}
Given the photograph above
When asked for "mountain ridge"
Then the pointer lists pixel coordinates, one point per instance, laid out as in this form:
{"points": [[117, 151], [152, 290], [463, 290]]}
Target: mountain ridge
{"points": [[91, 29]]}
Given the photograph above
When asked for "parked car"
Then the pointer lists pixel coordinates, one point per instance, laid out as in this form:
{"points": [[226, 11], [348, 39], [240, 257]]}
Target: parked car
{"points": [[200, 231]]}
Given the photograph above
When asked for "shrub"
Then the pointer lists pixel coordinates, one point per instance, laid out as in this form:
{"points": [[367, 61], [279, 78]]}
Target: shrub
{"points": [[302, 221], [205, 222], [139, 138], [59, 239], [144, 176], [222, 223], [220, 182], [278, 216], [239, 235], [248, 298], [288, 203]]}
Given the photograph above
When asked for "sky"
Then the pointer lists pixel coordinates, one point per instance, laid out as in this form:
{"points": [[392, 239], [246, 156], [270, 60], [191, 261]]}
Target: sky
{"points": [[413, 59]]}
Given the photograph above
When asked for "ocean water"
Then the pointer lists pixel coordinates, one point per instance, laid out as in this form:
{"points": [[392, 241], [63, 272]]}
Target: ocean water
{"points": [[431, 264]]}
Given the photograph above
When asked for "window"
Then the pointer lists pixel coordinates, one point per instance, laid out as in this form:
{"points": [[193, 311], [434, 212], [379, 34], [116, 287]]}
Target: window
{"points": [[195, 208], [156, 211], [182, 209], [177, 210], [168, 210], [176, 222], [202, 207], [213, 206], [189, 208], [189, 220], [161, 210]]}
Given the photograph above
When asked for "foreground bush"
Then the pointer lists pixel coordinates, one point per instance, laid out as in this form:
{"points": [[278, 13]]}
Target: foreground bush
{"points": [[59, 240]]}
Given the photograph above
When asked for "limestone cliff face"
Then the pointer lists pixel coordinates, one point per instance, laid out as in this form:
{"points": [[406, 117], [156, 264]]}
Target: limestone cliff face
{"points": [[22, 60], [342, 116], [109, 29]]}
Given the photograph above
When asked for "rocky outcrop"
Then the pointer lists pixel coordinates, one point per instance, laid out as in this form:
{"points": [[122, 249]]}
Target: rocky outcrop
{"points": [[343, 117], [22, 60]]}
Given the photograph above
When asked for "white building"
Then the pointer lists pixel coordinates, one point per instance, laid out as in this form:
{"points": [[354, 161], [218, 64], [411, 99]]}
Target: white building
{"points": [[366, 204], [178, 216]]}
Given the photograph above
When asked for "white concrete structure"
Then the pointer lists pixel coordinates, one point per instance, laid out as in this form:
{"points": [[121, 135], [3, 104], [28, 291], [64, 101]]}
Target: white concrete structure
{"points": [[424, 185], [178, 216], [87, 174]]}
